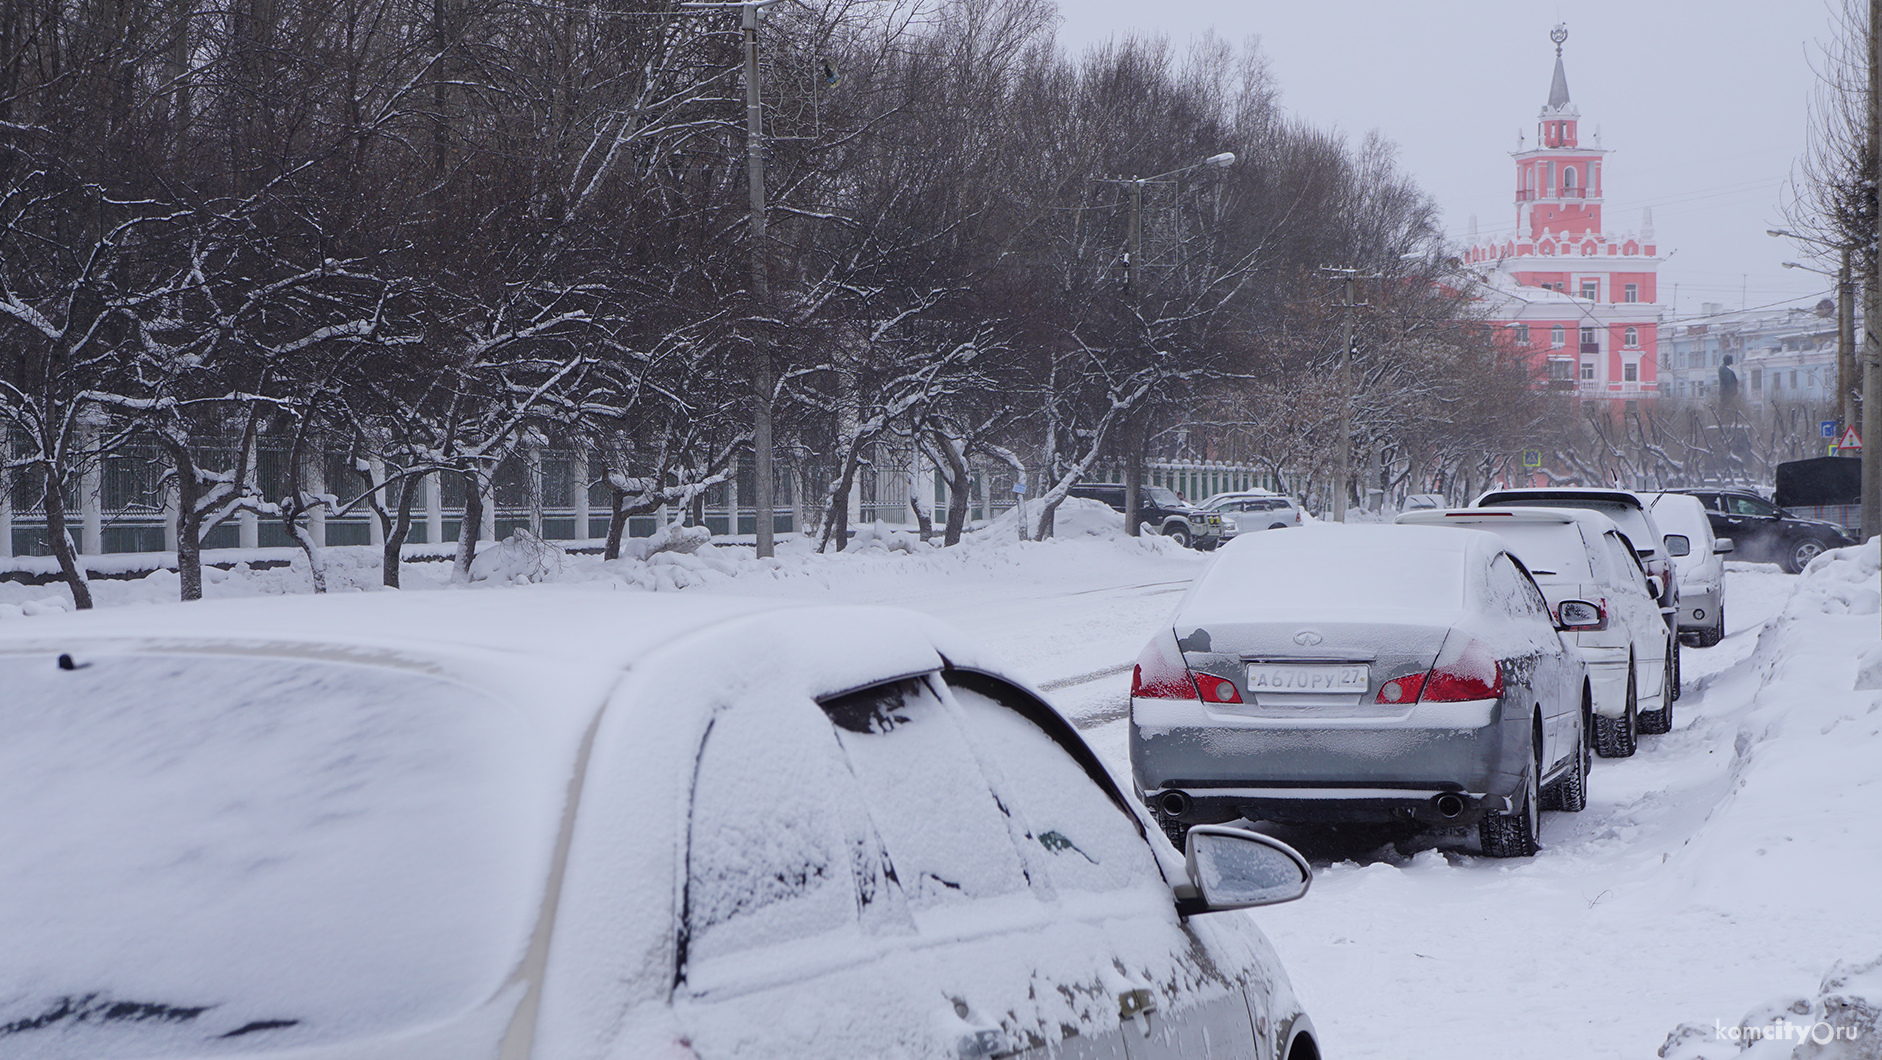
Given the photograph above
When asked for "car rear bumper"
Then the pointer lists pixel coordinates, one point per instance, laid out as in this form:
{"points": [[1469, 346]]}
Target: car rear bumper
{"points": [[1342, 769], [1699, 609]]}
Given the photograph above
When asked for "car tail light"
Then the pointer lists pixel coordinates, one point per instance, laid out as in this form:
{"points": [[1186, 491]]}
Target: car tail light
{"points": [[1217, 689], [1470, 672], [1402, 689], [1160, 672]]}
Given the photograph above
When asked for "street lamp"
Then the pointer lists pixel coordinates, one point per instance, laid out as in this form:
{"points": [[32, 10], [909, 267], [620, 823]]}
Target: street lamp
{"points": [[1845, 321], [1134, 444], [763, 380]]}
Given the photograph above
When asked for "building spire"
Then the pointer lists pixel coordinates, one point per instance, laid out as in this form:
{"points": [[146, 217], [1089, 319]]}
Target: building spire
{"points": [[1558, 89]]}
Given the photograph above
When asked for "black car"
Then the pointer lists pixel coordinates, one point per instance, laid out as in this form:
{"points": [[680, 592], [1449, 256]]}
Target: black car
{"points": [[1763, 532], [1170, 514]]}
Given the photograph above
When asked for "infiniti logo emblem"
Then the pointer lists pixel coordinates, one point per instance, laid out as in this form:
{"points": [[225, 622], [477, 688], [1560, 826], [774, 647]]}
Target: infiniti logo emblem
{"points": [[1307, 638]]}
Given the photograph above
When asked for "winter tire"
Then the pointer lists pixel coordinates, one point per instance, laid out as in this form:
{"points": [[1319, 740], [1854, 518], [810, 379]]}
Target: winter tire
{"points": [[1617, 737], [1655, 722], [1678, 663], [1709, 638], [1513, 835], [1570, 790], [1178, 535], [1801, 553], [1177, 831]]}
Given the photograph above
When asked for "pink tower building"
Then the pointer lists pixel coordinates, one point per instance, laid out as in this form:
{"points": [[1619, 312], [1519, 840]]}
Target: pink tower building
{"points": [[1583, 302]]}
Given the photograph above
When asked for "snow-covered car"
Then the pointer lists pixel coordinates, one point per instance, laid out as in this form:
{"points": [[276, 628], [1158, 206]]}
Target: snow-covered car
{"points": [[573, 825], [1250, 510], [1362, 673], [1577, 554], [1418, 502], [1700, 565], [1628, 510]]}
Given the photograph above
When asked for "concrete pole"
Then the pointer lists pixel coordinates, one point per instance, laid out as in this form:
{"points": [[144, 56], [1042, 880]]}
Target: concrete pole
{"points": [[314, 479], [248, 524], [91, 489], [578, 482], [434, 509], [532, 463], [376, 531], [1845, 345], [1134, 427], [1343, 448], [762, 381]]}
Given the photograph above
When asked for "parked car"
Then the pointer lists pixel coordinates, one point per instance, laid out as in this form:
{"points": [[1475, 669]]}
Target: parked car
{"points": [[1363, 673], [1251, 510], [569, 825], [1765, 533], [1577, 554], [1700, 566], [1629, 511], [1418, 502], [1825, 488], [1161, 508]]}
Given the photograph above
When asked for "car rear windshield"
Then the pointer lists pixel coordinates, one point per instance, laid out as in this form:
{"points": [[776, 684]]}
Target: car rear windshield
{"points": [[210, 854], [1409, 576], [1627, 516], [1677, 513], [1553, 552]]}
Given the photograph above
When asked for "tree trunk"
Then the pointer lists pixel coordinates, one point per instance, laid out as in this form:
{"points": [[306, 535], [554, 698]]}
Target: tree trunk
{"points": [[469, 528], [61, 541], [392, 556], [189, 523], [958, 482], [1133, 474], [617, 523]]}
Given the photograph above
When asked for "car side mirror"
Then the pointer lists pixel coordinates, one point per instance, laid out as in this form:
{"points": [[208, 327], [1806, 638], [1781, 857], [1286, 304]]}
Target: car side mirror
{"points": [[1678, 545], [1575, 616], [1655, 587], [1722, 545], [1233, 868]]}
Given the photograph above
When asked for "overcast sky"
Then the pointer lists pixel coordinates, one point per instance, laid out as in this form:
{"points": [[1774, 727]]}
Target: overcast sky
{"points": [[1702, 104]]}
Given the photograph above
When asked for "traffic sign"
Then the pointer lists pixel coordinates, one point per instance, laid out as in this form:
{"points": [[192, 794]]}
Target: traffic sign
{"points": [[1826, 428], [1532, 458], [1019, 487], [1850, 439]]}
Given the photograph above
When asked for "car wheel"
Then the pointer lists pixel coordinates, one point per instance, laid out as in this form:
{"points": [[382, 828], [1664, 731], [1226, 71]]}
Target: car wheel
{"points": [[1679, 681], [1617, 737], [1659, 721], [1178, 535], [1799, 555], [1570, 790], [1513, 835], [1277, 526]]}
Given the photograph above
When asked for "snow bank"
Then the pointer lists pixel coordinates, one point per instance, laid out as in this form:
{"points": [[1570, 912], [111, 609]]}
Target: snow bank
{"points": [[1795, 832]]}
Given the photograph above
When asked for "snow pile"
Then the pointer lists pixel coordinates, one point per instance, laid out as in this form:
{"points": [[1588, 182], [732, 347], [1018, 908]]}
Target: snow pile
{"points": [[520, 559], [1795, 834], [1843, 1022]]}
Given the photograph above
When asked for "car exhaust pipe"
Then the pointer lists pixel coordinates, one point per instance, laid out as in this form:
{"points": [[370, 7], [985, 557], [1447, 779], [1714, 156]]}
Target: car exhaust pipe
{"points": [[1449, 805], [1173, 804]]}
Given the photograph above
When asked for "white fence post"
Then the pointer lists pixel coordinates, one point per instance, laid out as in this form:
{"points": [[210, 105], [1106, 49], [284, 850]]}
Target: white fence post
{"points": [[434, 509], [578, 486]]}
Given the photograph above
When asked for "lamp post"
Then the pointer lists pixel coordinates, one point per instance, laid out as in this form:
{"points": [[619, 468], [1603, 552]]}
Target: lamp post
{"points": [[763, 376], [1133, 256], [1847, 379]]}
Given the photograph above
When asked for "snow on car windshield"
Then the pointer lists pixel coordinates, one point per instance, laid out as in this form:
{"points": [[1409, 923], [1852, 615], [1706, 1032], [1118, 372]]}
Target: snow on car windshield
{"points": [[1163, 497], [1553, 552], [1331, 569], [211, 854]]}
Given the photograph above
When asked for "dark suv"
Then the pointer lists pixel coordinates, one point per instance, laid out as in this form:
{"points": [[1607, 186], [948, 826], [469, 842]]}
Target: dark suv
{"points": [[1763, 532], [1172, 516]]}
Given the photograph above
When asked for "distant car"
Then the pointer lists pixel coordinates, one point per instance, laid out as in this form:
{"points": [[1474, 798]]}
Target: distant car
{"points": [[1701, 566], [1576, 554], [1629, 510], [1363, 674], [560, 824], [1249, 511], [1171, 515], [1418, 502], [1763, 532]]}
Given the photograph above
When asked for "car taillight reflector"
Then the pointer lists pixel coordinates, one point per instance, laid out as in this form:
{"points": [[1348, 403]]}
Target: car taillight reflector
{"points": [[1470, 673], [1160, 672], [1217, 689], [1402, 689]]}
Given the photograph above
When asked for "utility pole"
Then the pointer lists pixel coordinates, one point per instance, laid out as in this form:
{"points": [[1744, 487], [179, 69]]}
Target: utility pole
{"points": [[762, 382], [1872, 315], [1845, 346], [1343, 446]]}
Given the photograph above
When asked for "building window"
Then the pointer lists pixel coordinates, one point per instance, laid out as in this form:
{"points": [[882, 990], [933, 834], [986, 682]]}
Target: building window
{"points": [[1777, 380], [1591, 290], [1556, 336], [1587, 371], [1793, 379], [1568, 180], [1522, 334], [1630, 293], [1757, 379], [1561, 370], [1632, 337], [1630, 372], [1587, 336]]}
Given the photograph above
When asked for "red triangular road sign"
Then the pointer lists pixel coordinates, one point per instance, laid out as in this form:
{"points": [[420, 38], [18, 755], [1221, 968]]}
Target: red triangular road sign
{"points": [[1850, 440]]}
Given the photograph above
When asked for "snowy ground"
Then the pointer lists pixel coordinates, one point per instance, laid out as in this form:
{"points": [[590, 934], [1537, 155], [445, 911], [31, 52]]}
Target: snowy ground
{"points": [[1724, 869]]}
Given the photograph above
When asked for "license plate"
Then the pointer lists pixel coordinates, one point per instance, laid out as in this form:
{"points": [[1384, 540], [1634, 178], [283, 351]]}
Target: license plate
{"points": [[1334, 678]]}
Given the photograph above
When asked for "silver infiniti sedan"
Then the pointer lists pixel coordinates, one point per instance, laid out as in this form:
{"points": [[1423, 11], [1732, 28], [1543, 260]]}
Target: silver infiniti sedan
{"points": [[1345, 674]]}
